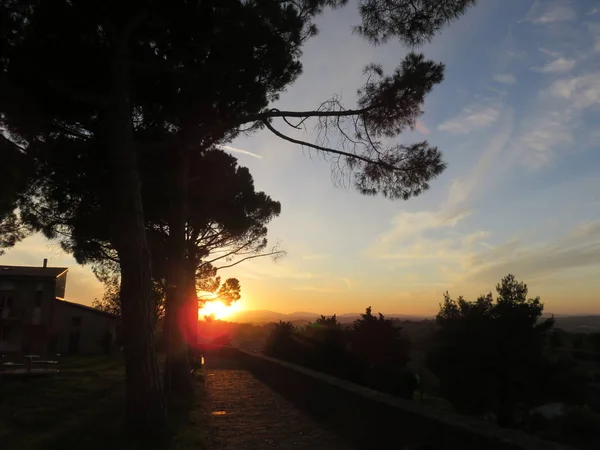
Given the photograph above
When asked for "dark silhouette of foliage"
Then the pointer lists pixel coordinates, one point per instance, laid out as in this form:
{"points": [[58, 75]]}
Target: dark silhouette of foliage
{"points": [[160, 77], [595, 341], [13, 184], [111, 300], [327, 322], [497, 342], [280, 342], [378, 341], [413, 22], [372, 352], [379, 344]]}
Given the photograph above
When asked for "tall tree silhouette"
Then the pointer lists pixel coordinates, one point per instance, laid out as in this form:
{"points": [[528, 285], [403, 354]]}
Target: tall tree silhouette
{"points": [[226, 223], [168, 69]]}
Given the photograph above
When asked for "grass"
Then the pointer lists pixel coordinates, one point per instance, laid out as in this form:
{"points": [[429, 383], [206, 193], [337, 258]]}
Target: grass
{"points": [[83, 407]]}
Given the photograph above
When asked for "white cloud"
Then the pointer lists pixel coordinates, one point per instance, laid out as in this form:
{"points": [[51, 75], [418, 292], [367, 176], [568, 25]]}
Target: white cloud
{"points": [[407, 225], [505, 78], [475, 238], [544, 13], [592, 12], [471, 118], [238, 150], [581, 91], [559, 65], [558, 120], [543, 134]]}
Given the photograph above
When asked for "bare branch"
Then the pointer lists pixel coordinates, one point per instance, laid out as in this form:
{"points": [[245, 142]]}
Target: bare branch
{"points": [[277, 254], [324, 149]]}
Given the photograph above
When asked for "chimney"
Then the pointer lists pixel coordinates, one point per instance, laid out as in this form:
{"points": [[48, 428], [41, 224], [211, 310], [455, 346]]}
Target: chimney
{"points": [[45, 263]]}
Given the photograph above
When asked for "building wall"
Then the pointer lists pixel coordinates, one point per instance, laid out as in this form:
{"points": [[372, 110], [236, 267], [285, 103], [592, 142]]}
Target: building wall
{"points": [[79, 330], [25, 318]]}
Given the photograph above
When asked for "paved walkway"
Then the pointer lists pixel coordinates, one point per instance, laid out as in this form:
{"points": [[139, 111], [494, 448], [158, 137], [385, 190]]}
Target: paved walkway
{"points": [[246, 415]]}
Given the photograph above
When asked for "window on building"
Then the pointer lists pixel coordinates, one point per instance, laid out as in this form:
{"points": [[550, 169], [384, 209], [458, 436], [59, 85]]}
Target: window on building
{"points": [[38, 298], [76, 321]]}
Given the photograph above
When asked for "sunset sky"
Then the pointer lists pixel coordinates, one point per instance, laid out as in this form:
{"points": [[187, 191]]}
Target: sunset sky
{"points": [[517, 120]]}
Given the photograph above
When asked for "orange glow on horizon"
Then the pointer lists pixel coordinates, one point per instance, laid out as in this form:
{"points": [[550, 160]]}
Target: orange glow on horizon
{"points": [[217, 309]]}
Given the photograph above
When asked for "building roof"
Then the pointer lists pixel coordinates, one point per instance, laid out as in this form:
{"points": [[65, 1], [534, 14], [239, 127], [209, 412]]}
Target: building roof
{"points": [[31, 271], [86, 308]]}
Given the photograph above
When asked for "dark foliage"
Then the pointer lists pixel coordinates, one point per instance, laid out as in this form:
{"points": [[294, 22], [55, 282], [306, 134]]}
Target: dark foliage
{"points": [[372, 352], [490, 354], [413, 22], [13, 183], [106, 84]]}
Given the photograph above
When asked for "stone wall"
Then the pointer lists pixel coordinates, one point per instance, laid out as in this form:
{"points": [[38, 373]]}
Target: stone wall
{"points": [[371, 420]]}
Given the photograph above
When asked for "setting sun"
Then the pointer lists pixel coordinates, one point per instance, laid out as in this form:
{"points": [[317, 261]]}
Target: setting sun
{"points": [[217, 309]]}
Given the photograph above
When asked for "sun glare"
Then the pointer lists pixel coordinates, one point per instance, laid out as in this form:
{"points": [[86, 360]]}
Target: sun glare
{"points": [[217, 309]]}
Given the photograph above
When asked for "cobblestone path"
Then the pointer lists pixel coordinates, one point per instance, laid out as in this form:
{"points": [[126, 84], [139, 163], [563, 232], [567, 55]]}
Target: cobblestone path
{"points": [[244, 414]]}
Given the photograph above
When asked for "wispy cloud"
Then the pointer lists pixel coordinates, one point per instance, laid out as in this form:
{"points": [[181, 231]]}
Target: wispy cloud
{"points": [[536, 146], [579, 248], [238, 150], [471, 118], [316, 257], [434, 236], [475, 238], [505, 78], [559, 65], [328, 285], [593, 11], [580, 91], [547, 12], [549, 52]]}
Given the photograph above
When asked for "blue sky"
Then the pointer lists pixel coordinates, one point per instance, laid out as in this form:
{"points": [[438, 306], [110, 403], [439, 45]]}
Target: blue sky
{"points": [[517, 120]]}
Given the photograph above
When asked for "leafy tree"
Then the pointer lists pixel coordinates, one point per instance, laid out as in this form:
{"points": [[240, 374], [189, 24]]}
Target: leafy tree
{"points": [[12, 185], [280, 342], [111, 301], [377, 340], [227, 292], [327, 321], [378, 343], [488, 353], [162, 73], [226, 223]]}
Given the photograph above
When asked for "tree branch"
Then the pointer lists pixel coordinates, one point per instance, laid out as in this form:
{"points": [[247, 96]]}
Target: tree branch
{"points": [[278, 253], [329, 150], [275, 113]]}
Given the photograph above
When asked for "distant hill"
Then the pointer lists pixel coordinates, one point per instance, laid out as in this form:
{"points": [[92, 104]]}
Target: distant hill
{"points": [[572, 324], [265, 316], [578, 324], [256, 316]]}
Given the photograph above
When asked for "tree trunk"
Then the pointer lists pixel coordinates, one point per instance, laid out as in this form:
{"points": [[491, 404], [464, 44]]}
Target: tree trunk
{"points": [[146, 413], [178, 380]]}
